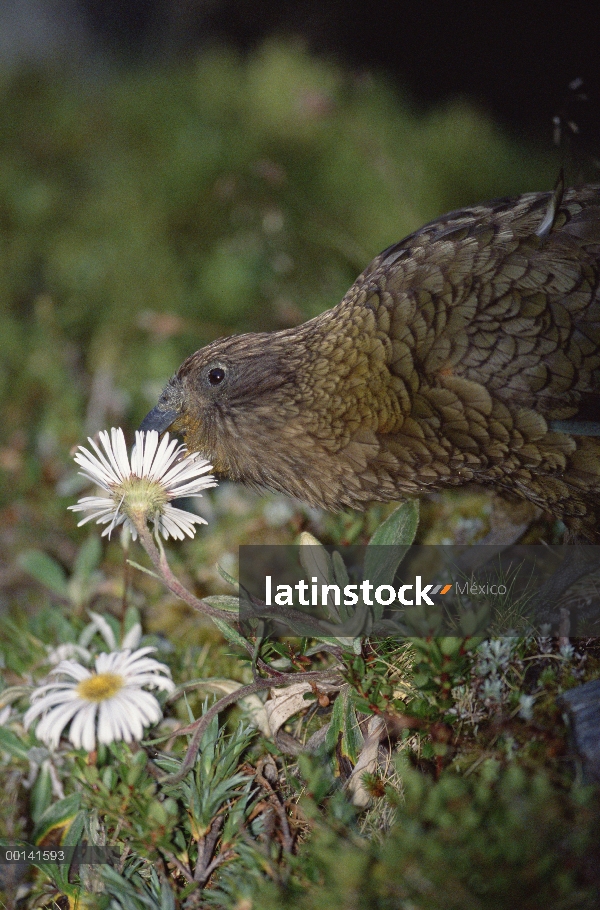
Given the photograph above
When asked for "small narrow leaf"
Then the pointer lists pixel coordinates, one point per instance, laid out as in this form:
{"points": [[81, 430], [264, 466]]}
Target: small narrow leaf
{"points": [[41, 792], [227, 577], [230, 633], [223, 602], [11, 744], [45, 570], [143, 569]]}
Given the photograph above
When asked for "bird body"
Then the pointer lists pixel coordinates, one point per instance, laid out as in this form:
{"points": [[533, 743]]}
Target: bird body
{"points": [[467, 353]]}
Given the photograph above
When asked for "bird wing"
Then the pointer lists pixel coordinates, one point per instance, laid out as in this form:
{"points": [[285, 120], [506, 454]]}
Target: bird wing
{"points": [[505, 297]]}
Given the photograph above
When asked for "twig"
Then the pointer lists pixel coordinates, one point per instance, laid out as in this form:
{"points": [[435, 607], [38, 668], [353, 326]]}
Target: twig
{"points": [[199, 726], [185, 871], [206, 849], [288, 839]]}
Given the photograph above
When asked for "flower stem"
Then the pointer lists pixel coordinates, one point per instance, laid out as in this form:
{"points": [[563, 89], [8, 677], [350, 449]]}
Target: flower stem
{"points": [[159, 561], [299, 622]]}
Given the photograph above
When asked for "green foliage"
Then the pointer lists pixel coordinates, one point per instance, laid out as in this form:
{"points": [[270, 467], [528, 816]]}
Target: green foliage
{"points": [[201, 820], [441, 665], [498, 839], [121, 789], [483, 833], [343, 731], [371, 680], [215, 782]]}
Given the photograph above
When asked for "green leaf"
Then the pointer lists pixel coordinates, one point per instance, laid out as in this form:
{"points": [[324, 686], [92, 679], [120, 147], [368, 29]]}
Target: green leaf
{"points": [[167, 897], [344, 721], [315, 559], [388, 546], [450, 645], [399, 528], [224, 602], [75, 832], [59, 873], [41, 792], [229, 633], [88, 558], [132, 618], [11, 743], [45, 570], [59, 815], [317, 562], [340, 571]]}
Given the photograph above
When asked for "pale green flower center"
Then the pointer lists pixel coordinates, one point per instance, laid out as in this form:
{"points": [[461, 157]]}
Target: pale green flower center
{"points": [[100, 687], [141, 496]]}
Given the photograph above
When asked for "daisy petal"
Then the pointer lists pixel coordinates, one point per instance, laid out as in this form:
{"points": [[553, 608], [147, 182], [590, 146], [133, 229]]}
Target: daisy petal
{"points": [[50, 727], [149, 450], [82, 732]]}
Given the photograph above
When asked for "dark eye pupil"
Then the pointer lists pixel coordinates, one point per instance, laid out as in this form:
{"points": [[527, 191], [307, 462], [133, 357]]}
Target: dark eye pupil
{"points": [[216, 376]]}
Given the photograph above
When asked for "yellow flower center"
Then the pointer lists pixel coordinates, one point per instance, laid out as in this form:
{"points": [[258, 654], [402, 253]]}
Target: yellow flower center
{"points": [[141, 496], [100, 687]]}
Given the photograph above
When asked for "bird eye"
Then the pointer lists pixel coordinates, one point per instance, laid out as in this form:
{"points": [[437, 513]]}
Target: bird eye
{"points": [[216, 375]]}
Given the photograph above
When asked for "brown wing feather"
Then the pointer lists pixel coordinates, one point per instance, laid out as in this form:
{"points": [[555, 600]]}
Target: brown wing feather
{"points": [[496, 330]]}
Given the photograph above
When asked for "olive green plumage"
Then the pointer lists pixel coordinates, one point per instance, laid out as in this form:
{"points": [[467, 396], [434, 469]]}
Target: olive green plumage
{"points": [[467, 353]]}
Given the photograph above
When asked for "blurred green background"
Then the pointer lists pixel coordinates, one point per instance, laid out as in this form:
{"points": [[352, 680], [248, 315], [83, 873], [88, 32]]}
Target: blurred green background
{"points": [[145, 210]]}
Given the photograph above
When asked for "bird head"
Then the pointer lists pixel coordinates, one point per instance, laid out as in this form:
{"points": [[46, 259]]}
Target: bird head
{"points": [[226, 399], [286, 411]]}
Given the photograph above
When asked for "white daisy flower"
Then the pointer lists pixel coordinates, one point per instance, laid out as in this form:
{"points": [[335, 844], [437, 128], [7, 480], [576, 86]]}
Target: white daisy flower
{"points": [[143, 489], [108, 704]]}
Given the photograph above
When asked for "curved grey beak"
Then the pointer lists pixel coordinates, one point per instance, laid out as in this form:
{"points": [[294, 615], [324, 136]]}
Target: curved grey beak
{"points": [[158, 419]]}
